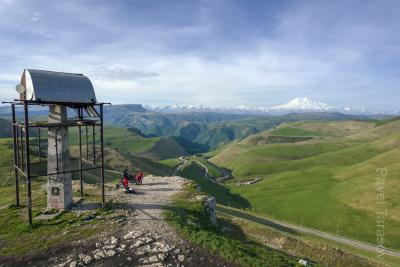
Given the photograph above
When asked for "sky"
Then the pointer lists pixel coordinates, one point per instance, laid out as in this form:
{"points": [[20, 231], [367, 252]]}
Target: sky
{"points": [[211, 52]]}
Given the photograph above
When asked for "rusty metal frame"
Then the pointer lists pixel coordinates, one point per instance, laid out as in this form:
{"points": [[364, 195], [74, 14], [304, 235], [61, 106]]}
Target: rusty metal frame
{"points": [[21, 145]]}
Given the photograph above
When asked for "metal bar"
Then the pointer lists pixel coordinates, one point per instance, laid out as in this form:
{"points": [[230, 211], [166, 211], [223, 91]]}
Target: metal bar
{"points": [[15, 157], [103, 202], [28, 167], [40, 150], [87, 161], [47, 125], [58, 173], [21, 171], [94, 145], [87, 144], [22, 151], [56, 145], [17, 143], [80, 162]]}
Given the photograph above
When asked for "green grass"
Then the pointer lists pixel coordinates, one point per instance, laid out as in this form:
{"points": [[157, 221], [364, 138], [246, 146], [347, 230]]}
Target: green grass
{"points": [[329, 184], [301, 244], [6, 162], [289, 131], [213, 170], [187, 215], [221, 193], [18, 238], [385, 121], [118, 138]]}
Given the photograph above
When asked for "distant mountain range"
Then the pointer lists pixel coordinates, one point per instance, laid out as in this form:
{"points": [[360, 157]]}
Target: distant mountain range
{"points": [[298, 104]]}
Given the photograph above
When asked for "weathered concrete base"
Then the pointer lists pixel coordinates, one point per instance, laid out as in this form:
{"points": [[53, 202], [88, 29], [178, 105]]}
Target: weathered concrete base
{"points": [[59, 187]]}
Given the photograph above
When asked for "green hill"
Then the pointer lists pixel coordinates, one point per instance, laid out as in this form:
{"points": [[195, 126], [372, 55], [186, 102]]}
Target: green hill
{"points": [[328, 182], [5, 128]]}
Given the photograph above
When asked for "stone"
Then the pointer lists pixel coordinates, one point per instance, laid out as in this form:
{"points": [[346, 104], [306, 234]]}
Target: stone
{"points": [[111, 253], [153, 258], [114, 240], [81, 256], [181, 258], [129, 259], [73, 264], [87, 260], [140, 253], [137, 244], [210, 204], [162, 256]]}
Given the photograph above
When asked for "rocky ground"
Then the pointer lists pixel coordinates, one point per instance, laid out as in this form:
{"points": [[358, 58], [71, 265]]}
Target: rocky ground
{"points": [[137, 234]]}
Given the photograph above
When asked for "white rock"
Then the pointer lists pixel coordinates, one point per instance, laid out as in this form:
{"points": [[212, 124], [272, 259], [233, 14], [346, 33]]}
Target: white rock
{"points": [[153, 258], [73, 264], [114, 240], [181, 258], [162, 256], [140, 253], [137, 244], [87, 259], [111, 253]]}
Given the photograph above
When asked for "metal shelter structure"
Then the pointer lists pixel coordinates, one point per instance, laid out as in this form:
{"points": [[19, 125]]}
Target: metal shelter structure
{"points": [[59, 92]]}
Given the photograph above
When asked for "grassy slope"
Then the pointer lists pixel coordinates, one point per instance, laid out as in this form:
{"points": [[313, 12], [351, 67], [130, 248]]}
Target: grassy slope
{"points": [[187, 215], [222, 194], [125, 141], [328, 184]]}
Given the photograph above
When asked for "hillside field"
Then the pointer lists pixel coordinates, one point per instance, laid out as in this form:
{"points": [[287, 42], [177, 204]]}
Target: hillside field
{"points": [[326, 183]]}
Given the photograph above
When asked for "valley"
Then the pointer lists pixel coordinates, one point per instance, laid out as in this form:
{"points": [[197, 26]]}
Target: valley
{"points": [[313, 170]]}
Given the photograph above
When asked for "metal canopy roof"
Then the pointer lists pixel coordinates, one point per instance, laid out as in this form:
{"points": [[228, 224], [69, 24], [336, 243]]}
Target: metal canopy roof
{"points": [[51, 86]]}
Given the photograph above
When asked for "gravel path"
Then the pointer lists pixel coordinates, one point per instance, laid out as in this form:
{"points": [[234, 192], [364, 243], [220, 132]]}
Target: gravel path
{"points": [[140, 238]]}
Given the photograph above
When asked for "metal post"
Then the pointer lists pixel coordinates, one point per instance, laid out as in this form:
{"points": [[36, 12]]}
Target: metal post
{"points": [[28, 163], [80, 162], [39, 148], [94, 146], [56, 146], [15, 156], [17, 145], [87, 144], [22, 151], [102, 155]]}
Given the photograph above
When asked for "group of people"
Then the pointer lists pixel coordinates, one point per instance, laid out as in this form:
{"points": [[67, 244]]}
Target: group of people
{"points": [[125, 180]]}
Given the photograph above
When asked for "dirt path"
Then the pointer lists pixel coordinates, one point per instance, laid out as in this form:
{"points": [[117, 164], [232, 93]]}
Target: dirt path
{"points": [[138, 236]]}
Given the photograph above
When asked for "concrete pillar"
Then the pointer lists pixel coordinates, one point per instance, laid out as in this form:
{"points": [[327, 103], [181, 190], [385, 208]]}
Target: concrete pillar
{"points": [[59, 187]]}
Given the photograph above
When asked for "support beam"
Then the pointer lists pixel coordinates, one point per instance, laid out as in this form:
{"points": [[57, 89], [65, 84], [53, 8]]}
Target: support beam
{"points": [[103, 202], [15, 147], [27, 162], [80, 162], [59, 183]]}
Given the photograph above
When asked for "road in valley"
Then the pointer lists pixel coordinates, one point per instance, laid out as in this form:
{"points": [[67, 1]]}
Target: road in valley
{"points": [[287, 227]]}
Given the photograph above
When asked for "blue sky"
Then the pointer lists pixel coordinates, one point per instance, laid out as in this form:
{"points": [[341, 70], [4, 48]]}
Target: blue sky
{"points": [[217, 53]]}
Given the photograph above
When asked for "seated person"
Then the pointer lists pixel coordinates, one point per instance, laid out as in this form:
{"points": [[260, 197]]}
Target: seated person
{"points": [[125, 183]]}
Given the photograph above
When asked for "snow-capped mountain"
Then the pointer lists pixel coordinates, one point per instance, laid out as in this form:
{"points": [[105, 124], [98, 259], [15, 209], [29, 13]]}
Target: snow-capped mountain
{"points": [[298, 104], [304, 103]]}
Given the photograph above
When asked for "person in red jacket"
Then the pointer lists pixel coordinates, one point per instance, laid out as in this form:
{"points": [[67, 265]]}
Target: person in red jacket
{"points": [[125, 183], [139, 177]]}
